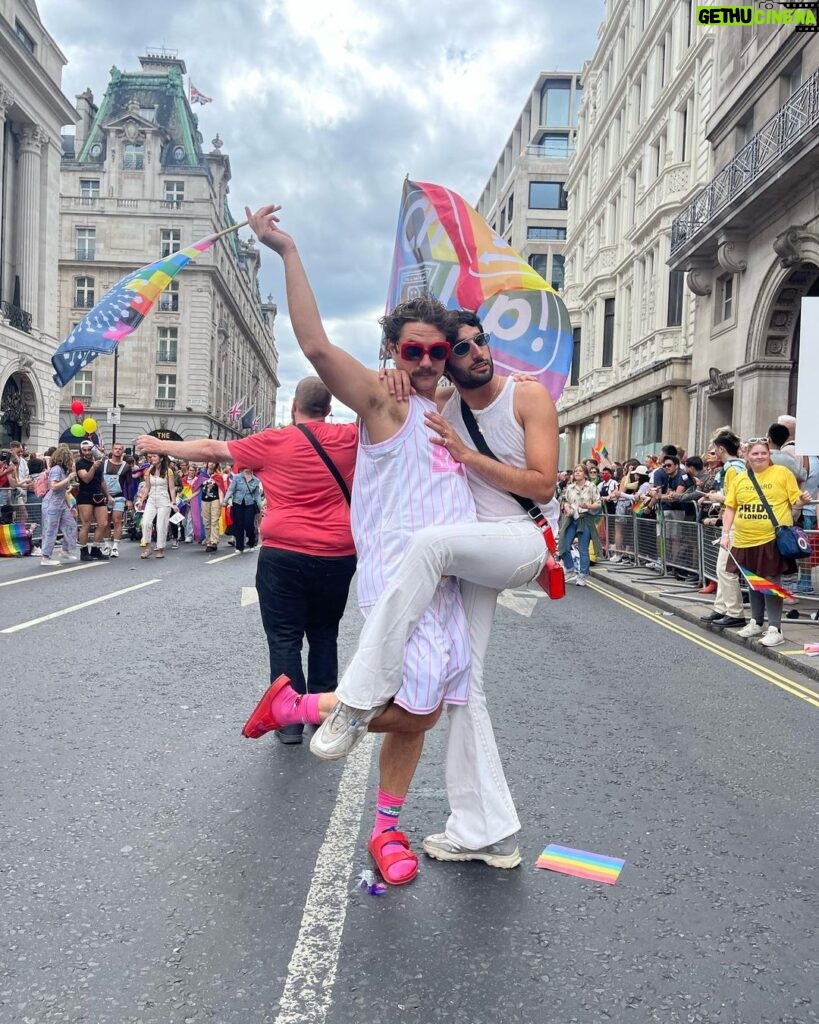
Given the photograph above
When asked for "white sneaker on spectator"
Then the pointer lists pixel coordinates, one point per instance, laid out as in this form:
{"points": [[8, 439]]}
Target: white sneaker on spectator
{"points": [[36, 550], [654, 565], [571, 577], [48, 560], [581, 581], [752, 629], [66, 556], [106, 548], [615, 559], [115, 550], [773, 637]]}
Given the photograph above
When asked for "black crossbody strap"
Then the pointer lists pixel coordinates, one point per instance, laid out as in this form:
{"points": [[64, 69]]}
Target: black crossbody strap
{"points": [[762, 498], [532, 510], [325, 458]]}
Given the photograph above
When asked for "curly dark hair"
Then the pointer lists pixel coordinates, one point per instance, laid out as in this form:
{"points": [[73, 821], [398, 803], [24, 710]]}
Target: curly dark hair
{"points": [[423, 310]]}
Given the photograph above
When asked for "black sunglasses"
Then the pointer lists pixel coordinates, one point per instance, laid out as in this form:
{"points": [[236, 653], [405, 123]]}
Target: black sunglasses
{"points": [[460, 348]]}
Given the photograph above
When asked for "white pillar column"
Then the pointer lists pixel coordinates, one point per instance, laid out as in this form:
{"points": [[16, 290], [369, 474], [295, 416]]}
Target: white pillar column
{"points": [[6, 100], [30, 139]]}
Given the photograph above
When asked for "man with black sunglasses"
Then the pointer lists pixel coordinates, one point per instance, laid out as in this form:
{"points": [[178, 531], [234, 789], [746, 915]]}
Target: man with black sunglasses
{"points": [[504, 549]]}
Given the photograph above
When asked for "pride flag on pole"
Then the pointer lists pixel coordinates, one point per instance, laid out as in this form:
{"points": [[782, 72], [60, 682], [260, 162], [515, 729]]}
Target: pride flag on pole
{"points": [[444, 248], [120, 311], [14, 540], [762, 585]]}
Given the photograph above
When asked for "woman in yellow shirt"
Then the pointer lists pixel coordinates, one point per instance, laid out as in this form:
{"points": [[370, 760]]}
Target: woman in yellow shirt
{"points": [[755, 534]]}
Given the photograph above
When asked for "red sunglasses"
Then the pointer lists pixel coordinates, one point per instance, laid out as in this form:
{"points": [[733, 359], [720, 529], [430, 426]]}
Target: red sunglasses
{"points": [[414, 351]]}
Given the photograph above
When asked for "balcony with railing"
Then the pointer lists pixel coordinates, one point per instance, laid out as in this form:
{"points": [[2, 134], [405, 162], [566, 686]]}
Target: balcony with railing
{"points": [[85, 254], [778, 157], [164, 403], [15, 317]]}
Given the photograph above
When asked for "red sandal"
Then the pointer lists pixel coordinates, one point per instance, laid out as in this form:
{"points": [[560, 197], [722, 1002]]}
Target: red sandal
{"points": [[384, 861], [262, 719]]}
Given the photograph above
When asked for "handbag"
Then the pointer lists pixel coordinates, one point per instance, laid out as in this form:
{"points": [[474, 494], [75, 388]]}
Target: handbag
{"points": [[551, 578], [791, 541], [325, 458]]}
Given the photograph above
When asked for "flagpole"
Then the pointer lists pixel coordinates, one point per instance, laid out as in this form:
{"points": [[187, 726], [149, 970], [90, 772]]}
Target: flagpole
{"points": [[227, 231]]}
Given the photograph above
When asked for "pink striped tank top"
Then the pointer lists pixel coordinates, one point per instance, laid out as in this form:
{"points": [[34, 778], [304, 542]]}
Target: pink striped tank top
{"points": [[401, 485]]}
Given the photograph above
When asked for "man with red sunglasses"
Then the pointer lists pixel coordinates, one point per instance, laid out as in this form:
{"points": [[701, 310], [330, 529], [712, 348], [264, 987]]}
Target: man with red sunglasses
{"points": [[401, 483]]}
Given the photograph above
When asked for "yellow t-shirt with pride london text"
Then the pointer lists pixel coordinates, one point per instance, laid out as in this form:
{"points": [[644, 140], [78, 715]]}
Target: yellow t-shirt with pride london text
{"points": [[752, 524]]}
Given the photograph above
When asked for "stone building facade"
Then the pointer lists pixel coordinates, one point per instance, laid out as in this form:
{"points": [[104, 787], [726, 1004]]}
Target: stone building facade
{"points": [[749, 240], [33, 112], [641, 157], [137, 184]]}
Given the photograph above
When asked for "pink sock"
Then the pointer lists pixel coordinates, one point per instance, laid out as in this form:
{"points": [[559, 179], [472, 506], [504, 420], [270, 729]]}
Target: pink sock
{"points": [[291, 708], [387, 810]]}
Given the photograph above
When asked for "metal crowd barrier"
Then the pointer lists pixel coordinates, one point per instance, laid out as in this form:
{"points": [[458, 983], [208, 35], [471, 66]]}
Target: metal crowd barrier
{"points": [[666, 544]]}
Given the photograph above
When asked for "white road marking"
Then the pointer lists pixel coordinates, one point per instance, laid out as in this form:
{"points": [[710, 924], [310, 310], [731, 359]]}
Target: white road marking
{"points": [[221, 558], [250, 595], [75, 607], [50, 574], [311, 973], [517, 602]]}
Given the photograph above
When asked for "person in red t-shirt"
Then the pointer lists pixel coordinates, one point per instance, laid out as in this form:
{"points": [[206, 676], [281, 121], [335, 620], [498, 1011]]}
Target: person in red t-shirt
{"points": [[307, 557]]}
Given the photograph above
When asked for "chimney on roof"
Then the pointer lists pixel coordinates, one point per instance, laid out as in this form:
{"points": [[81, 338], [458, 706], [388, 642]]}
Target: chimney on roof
{"points": [[87, 111], [159, 60]]}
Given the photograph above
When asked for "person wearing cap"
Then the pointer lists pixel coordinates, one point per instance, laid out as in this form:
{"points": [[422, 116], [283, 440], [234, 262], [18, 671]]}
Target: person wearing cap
{"points": [[92, 501]]}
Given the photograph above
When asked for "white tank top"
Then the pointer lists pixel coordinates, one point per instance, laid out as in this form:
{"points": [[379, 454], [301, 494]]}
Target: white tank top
{"points": [[504, 435], [160, 492], [401, 485]]}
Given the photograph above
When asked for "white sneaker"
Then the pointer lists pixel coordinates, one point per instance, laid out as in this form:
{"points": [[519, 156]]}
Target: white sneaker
{"points": [[339, 733], [571, 577], [114, 551], [752, 629], [189, 540], [106, 549], [773, 638], [581, 581], [654, 565], [615, 559], [66, 556], [48, 560]]}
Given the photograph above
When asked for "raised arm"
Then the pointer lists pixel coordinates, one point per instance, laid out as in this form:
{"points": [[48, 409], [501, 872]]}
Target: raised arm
{"points": [[205, 449], [348, 379]]}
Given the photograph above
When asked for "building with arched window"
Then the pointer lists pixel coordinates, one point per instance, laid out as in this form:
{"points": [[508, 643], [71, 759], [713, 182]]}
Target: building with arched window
{"points": [[137, 184], [33, 112]]}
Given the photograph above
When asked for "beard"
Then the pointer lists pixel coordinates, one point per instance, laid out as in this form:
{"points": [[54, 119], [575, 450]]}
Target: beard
{"points": [[472, 377]]}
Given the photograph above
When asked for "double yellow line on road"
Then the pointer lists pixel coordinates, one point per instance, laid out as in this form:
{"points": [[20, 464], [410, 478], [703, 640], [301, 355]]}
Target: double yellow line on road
{"points": [[768, 674]]}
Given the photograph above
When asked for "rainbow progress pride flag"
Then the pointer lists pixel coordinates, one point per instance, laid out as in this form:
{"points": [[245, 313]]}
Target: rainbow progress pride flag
{"points": [[120, 311], [14, 540], [444, 248], [593, 866], [762, 585]]}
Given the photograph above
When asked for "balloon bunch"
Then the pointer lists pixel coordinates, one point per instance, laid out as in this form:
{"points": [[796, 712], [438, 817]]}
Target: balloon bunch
{"points": [[83, 426]]}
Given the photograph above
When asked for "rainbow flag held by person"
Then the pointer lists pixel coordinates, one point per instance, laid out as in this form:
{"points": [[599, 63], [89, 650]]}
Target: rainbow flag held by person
{"points": [[638, 506], [444, 248], [762, 585], [120, 311], [15, 540]]}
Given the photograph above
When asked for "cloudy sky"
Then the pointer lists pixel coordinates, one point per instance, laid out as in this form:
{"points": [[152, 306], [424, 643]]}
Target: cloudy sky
{"points": [[325, 105]]}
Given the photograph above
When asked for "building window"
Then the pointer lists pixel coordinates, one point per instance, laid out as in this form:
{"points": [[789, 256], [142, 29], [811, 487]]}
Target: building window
{"points": [[90, 188], [133, 156], [676, 281], [83, 292], [574, 378], [503, 220], [546, 234], [510, 208], [166, 387], [588, 439], [792, 80], [24, 37], [661, 69], [174, 192], [724, 308], [555, 144], [686, 20], [683, 122], [169, 299], [86, 243], [547, 195], [646, 428], [608, 332], [554, 102], [558, 271], [745, 130], [167, 338], [539, 261], [170, 240], [83, 384]]}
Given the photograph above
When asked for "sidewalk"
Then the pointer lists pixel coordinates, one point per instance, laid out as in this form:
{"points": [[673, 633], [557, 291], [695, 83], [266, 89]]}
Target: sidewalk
{"points": [[670, 595]]}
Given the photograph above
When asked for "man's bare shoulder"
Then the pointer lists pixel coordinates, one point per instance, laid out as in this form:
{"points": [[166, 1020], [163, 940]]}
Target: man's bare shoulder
{"points": [[531, 395], [443, 395]]}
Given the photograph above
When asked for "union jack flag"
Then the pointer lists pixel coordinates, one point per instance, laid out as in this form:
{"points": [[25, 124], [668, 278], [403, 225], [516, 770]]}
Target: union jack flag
{"points": [[235, 409], [199, 97], [256, 421]]}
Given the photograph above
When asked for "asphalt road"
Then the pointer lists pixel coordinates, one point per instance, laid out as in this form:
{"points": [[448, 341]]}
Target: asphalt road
{"points": [[155, 867]]}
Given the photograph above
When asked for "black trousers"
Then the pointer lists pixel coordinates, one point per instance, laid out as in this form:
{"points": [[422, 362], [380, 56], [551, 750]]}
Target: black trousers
{"points": [[244, 525], [303, 596]]}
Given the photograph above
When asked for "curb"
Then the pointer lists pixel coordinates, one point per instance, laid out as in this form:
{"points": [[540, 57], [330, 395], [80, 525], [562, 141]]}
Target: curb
{"points": [[804, 666]]}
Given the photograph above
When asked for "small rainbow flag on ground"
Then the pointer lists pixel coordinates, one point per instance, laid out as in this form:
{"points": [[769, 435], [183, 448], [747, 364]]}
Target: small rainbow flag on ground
{"points": [[581, 864], [762, 585], [14, 540]]}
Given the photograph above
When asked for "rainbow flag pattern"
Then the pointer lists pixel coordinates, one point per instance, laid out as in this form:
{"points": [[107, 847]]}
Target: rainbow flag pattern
{"points": [[593, 866], [14, 540], [638, 506], [444, 248], [762, 585], [120, 311]]}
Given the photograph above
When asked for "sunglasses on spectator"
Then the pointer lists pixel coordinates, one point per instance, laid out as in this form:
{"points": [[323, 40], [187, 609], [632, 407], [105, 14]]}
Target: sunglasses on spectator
{"points": [[414, 351], [669, 465], [460, 348], [757, 440]]}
